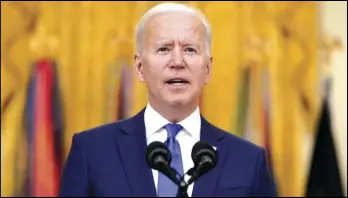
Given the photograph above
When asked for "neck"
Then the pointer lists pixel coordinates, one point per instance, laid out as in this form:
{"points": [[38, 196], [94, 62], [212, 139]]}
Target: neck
{"points": [[174, 114]]}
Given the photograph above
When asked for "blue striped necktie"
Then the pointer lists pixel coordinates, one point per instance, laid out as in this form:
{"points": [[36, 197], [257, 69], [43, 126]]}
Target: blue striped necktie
{"points": [[167, 188]]}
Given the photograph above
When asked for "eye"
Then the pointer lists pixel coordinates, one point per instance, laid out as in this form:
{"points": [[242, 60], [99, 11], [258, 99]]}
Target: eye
{"points": [[163, 49], [190, 50]]}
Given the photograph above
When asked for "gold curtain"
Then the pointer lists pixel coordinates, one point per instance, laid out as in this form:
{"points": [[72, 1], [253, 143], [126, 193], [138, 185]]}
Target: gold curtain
{"points": [[91, 36]]}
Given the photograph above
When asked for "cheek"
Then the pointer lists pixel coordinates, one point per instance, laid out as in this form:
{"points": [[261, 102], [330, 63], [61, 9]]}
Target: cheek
{"points": [[201, 75], [199, 68], [153, 69]]}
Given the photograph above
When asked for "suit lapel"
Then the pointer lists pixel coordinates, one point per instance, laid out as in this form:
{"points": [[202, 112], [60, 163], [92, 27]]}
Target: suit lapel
{"points": [[206, 185], [132, 146]]}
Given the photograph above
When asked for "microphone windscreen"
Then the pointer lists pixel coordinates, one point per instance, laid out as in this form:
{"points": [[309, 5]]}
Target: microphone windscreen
{"points": [[154, 150], [203, 148]]}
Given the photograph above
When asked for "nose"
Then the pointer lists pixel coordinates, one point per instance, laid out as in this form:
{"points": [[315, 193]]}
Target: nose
{"points": [[177, 58]]}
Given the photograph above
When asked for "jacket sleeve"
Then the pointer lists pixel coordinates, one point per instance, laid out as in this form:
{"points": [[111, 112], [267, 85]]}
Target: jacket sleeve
{"points": [[74, 180], [264, 184]]}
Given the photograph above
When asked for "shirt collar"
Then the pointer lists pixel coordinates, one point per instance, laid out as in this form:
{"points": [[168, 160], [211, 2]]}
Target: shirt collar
{"points": [[154, 122]]}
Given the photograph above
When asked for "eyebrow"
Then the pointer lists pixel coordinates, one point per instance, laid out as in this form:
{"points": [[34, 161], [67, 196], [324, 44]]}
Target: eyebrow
{"points": [[164, 42], [170, 42], [190, 43]]}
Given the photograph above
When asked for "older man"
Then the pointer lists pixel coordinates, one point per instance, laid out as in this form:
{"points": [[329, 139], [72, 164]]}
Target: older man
{"points": [[173, 59]]}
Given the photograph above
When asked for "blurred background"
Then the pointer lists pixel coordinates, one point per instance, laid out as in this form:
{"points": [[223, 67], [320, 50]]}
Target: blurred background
{"points": [[279, 80]]}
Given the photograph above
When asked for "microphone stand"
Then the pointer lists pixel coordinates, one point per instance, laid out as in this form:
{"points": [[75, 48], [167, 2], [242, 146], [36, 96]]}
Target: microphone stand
{"points": [[183, 185], [182, 191], [180, 182]]}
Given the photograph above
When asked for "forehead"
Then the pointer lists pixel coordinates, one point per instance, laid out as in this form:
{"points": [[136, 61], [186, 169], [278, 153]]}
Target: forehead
{"points": [[175, 25]]}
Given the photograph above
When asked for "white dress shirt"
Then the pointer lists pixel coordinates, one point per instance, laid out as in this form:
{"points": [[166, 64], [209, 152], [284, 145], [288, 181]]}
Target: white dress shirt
{"points": [[187, 137]]}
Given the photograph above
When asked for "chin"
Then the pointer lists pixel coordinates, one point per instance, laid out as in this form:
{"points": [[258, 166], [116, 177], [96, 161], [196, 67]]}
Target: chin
{"points": [[178, 102]]}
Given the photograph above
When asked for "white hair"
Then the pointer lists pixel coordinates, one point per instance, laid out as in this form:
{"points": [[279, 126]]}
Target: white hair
{"points": [[169, 7]]}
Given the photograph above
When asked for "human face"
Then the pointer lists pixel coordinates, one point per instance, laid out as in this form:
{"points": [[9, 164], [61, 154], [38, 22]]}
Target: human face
{"points": [[173, 62]]}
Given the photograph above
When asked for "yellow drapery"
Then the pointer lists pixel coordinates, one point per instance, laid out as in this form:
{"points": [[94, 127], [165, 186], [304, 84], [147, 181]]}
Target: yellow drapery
{"points": [[86, 34]]}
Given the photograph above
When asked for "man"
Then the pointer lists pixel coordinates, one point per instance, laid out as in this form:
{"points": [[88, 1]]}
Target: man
{"points": [[173, 59]]}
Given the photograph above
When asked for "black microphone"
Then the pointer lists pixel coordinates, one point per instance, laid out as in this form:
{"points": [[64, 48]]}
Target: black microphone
{"points": [[158, 157], [204, 158]]}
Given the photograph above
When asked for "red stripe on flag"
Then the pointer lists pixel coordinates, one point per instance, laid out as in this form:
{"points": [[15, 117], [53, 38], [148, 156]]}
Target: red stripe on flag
{"points": [[45, 166]]}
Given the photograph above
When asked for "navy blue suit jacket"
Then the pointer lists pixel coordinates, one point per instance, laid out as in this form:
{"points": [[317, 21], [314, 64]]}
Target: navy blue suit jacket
{"points": [[110, 161]]}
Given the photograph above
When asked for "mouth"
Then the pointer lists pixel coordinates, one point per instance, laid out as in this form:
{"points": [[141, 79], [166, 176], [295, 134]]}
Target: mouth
{"points": [[177, 81]]}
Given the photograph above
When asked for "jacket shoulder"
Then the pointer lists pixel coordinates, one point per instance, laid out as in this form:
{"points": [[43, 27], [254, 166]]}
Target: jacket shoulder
{"points": [[99, 133], [237, 143]]}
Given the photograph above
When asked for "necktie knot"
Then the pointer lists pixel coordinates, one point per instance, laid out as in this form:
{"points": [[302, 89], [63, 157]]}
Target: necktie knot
{"points": [[173, 129]]}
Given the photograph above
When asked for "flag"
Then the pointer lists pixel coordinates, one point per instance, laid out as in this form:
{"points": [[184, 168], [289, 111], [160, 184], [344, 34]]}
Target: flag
{"points": [[124, 94], [242, 103], [119, 91], [324, 175], [266, 120], [43, 119], [111, 92]]}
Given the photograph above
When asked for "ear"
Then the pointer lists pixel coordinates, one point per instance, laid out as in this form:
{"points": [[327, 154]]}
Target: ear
{"points": [[209, 68], [138, 67]]}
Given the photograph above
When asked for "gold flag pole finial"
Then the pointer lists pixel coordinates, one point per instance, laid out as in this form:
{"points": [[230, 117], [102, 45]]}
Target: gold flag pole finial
{"points": [[43, 44], [329, 45], [254, 48], [119, 45]]}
